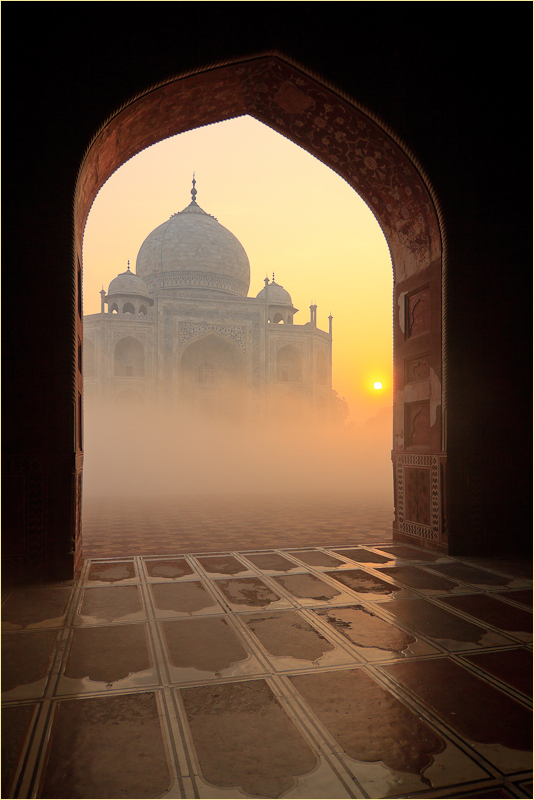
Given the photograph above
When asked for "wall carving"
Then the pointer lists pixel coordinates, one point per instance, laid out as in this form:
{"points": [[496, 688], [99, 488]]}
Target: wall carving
{"points": [[214, 319], [418, 313], [164, 280], [417, 369], [417, 424], [418, 495], [192, 330]]}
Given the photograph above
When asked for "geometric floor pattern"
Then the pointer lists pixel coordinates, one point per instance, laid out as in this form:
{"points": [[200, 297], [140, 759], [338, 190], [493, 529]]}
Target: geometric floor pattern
{"points": [[352, 669]]}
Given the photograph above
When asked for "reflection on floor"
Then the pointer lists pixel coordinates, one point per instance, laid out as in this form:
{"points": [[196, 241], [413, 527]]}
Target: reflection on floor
{"points": [[316, 672]]}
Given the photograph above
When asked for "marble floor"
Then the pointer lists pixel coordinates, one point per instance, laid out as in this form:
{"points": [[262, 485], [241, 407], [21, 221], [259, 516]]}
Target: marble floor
{"points": [[351, 668]]}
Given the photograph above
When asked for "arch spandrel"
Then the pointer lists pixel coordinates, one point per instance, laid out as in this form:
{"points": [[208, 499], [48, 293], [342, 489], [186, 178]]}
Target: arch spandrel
{"points": [[298, 107]]}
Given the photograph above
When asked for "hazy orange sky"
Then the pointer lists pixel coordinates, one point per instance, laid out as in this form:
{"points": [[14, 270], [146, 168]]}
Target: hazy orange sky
{"points": [[294, 217]]}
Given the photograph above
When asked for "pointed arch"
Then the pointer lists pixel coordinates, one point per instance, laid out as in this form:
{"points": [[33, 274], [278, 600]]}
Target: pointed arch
{"points": [[378, 166]]}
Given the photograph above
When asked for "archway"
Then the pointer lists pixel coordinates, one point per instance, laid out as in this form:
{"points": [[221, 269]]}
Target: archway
{"points": [[211, 376], [344, 137]]}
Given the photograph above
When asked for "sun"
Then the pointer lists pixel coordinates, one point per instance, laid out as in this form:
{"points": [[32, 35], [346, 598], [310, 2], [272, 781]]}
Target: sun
{"points": [[377, 385]]}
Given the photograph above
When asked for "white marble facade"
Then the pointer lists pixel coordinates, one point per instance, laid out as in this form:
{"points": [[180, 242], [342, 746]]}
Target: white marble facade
{"points": [[183, 332]]}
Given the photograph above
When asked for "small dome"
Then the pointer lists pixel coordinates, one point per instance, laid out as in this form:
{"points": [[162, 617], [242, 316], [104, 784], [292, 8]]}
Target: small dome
{"points": [[275, 295], [128, 283]]}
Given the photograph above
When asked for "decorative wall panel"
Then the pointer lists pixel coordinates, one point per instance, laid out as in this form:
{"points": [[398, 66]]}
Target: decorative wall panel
{"points": [[418, 495]]}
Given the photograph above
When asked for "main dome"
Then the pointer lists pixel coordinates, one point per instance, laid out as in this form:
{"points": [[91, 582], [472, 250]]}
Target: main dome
{"points": [[192, 250]]}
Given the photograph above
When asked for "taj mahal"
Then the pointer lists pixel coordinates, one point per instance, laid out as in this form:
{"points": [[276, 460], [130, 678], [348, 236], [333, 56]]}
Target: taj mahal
{"points": [[182, 332]]}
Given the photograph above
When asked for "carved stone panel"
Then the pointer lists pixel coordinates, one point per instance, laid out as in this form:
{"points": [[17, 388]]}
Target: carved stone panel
{"points": [[417, 495], [418, 312], [417, 424], [417, 369]]}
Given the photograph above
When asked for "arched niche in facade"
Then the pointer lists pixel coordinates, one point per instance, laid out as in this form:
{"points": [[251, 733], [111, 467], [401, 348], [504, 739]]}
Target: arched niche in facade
{"points": [[129, 358], [370, 158], [289, 364], [212, 378]]}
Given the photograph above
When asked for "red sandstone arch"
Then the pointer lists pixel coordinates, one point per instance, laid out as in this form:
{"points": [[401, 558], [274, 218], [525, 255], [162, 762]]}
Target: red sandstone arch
{"points": [[345, 137]]}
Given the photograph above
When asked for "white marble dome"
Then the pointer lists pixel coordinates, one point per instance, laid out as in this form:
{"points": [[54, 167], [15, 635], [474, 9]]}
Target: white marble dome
{"points": [[128, 283], [192, 250], [275, 295]]}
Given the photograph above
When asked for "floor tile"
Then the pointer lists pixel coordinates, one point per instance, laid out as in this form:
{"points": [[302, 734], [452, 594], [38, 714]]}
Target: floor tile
{"points": [[167, 569], [369, 584], [389, 748], [114, 656], [511, 666], [26, 660], [107, 747], [498, 727], [419, 579], [243, 738], [476, 576], [372, 637], [271, 562], [205, 648], [248, 593], [35, 607], [104, 604], [315, 558], [447, 629], [362, 556], [15, 724], [493, 611], [183, 599]]}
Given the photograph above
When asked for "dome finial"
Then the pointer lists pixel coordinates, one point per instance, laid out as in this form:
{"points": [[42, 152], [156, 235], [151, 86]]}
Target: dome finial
{"points": [[128, 265], [273, 277], [193, 190]]}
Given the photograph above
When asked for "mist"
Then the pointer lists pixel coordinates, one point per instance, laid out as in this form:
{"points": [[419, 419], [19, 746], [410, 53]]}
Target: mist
{"points": [[144, 452]]}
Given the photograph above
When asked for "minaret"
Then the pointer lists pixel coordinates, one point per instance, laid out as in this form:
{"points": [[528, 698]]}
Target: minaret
{"points": [[330, 318], [102, 299]]}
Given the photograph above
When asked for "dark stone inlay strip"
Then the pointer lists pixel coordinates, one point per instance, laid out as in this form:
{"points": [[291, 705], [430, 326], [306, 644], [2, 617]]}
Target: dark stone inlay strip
{"points": [[469, 574]]}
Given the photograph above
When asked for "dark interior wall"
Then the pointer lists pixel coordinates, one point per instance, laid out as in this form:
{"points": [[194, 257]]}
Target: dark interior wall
{"points": [[456, 90]]}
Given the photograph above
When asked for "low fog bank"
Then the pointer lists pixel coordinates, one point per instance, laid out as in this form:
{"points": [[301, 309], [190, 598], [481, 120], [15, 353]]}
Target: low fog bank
{"points": [[141, 454]]}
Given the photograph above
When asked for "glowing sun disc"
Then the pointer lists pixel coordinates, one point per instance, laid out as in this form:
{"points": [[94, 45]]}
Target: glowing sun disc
{"points": [[377, 385]]}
